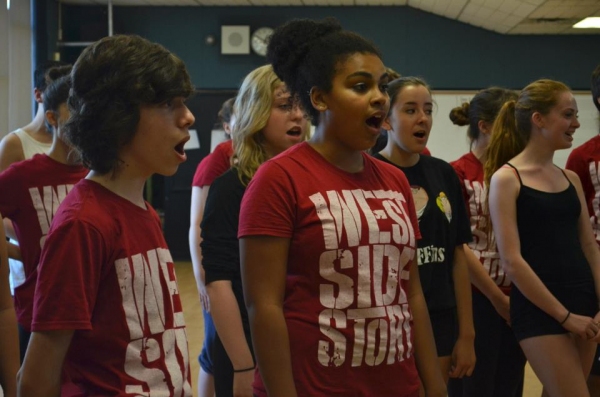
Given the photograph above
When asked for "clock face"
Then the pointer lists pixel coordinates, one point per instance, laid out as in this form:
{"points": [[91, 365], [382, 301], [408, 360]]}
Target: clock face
{"points": [[260, 40]]}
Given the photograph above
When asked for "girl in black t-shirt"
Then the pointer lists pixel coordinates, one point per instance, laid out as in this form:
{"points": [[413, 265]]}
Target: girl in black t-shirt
{"points": [[443, 223]]}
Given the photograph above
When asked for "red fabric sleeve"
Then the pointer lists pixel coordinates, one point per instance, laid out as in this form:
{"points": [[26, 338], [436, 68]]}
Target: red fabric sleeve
{"points": [[579, 164], [214, 165], [69, 275], [10, 186], [271, 184]]}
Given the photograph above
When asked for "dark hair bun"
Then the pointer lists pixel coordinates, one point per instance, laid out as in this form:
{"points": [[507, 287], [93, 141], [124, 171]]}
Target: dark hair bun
{"points": [[290, 43], [57, 72], [460, 114]]}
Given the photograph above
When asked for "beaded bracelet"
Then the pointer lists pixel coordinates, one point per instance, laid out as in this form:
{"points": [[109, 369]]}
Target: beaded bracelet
{"points": [[566, 318], [244, 370]]}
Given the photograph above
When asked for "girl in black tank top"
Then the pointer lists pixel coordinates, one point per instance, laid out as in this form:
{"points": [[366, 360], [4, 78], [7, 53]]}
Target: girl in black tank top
{"points": [[544, 237]]}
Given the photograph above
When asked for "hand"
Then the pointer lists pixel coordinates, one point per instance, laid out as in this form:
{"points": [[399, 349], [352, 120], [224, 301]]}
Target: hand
{"points": [[502, 306], [204, 299], [242, 384], [463, 358], [586, 327], [203, 295], [597, 321]]}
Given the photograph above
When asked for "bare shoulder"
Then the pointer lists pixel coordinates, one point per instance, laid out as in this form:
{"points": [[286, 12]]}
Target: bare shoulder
{"points": [[11, 151], [572, 175], [505, 176], [574, 179]]}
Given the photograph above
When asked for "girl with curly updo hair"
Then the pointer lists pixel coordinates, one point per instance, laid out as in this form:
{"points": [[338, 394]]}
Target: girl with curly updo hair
{"points": [[500, 360], [328, 236], [107, 317], [546, 244]]}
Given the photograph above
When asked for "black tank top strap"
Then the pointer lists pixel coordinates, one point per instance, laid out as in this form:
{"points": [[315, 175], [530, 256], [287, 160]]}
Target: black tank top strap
{"points": [[564, 173], [516, 172]]}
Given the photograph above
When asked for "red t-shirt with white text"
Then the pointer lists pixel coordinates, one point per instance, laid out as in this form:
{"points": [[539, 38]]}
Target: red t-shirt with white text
{"points": [[106, 272], [32, 190], [353, 239], [585, 162], [470, 173]]}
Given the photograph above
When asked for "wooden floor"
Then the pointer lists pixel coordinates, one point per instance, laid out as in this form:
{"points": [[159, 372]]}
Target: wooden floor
{"points": [[195, 328]]}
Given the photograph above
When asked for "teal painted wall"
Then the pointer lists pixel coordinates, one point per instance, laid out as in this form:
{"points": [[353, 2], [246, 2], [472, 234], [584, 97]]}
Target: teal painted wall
{"points": [[447, 53]]}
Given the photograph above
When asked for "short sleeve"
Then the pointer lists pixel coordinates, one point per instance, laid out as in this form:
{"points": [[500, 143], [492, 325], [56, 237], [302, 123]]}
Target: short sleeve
{"points": [[461, 174], [269, 204], [463, 224], [69, 274], [213, 165], [199, 174], [11, 187]]}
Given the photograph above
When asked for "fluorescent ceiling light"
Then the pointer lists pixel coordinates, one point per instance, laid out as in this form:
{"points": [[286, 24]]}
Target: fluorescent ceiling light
{"points": [[588, 23], [8, 4]]}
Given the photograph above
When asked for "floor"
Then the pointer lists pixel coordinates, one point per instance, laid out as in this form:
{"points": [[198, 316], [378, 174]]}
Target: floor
{"points": [[193, 318]]}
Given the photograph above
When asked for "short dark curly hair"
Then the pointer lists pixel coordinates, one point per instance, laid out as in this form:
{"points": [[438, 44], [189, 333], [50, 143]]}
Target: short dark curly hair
{"points": [[596, 86], [110, 80], [305, 53]]}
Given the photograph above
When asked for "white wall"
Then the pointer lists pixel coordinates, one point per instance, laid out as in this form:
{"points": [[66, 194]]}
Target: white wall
{"points": [[15, 65], [448, 141]]}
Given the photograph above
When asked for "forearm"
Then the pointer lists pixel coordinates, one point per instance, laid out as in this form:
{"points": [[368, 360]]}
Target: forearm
{"points": [[425, 351], [530, 285], [198, 202], [462, 292], [196, 254], [10, 230], [32, 385], [228, 322], [41, 372], [9, 346], [481, 279], [272, 349], [14, 251]]}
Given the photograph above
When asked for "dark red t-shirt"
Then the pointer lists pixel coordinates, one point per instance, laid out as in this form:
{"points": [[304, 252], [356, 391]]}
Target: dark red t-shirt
{"points": [[470, 173], [32, 190], [213, 165], [353, 241], [106, 273], [585, 162]]}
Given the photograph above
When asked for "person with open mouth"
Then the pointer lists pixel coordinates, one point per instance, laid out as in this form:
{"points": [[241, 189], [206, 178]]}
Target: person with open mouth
{"points": [[443, 222]]}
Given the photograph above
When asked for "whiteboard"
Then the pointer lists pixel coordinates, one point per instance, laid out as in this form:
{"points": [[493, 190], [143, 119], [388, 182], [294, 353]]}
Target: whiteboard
{"points": [[448, 141]]}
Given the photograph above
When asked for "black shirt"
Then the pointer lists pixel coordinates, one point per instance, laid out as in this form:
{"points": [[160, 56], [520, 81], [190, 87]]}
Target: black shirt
{"points": [[220, 246], [444, 224]]}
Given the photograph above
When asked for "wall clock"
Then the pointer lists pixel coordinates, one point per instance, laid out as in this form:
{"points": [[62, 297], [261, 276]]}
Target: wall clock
{"points": [[260, 40]]}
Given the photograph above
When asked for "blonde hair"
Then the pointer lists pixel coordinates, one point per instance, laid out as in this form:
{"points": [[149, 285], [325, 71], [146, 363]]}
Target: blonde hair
{"points": [[252, 110]]}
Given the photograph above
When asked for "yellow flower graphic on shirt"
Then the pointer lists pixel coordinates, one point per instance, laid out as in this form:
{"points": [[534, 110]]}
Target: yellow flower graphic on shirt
{"points": [[444, 205]]}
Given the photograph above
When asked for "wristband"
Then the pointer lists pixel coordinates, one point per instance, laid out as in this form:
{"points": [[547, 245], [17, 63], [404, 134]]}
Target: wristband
{"points": [[244, 370], [566, 318]]}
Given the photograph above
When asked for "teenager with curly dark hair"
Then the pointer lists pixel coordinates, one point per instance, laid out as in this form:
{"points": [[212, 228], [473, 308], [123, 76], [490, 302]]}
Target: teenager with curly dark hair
{"points": [[107, 317], [328, 236]]}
